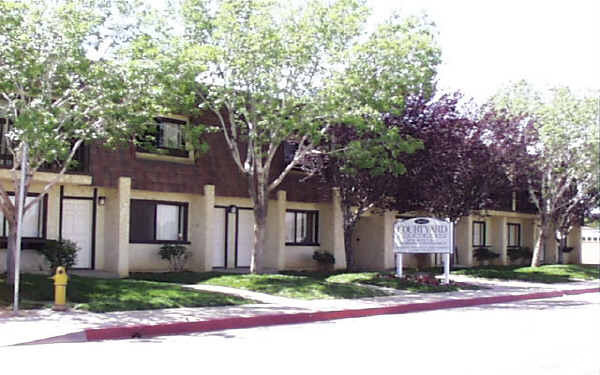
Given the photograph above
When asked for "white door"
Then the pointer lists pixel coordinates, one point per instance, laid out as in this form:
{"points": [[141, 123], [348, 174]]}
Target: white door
{"points": [[219, 244], [77, 227], [245, 237]]}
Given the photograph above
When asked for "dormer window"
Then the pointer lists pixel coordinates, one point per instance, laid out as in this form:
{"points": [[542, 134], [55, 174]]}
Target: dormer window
{"points": [[170, 134], [167, 138]]}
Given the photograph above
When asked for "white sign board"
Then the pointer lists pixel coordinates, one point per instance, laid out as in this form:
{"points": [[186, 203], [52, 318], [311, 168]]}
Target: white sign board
{"points": [[422, 235]]}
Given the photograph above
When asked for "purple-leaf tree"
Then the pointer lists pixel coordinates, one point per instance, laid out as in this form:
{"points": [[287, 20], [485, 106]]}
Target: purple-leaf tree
{"points": [[460, 168]]}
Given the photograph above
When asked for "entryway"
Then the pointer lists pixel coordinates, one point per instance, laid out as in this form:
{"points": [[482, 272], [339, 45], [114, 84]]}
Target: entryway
{"points": [[234, 237], [78, 226]]}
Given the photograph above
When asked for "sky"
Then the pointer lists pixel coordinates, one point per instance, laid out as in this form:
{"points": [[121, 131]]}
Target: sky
{"points": [[488, 43]]}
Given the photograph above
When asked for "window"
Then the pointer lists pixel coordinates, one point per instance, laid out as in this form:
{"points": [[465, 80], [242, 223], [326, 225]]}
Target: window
{"points": [[78, 163], [170, 134], [157, 221], [478, 233], [33, 220], [514, 235], [168, 138], [289, 151], [302, 227], [5, 155]]}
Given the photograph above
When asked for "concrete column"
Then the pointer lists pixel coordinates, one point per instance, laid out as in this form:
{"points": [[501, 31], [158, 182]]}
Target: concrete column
{"points": [[502, 228], [117, 228], [389, 217], [338, 230], [274, 257], [279, 238], [53, 213], [203, 230], [468, 254]]}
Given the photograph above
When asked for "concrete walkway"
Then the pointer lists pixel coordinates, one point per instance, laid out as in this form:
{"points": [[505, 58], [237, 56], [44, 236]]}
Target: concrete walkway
{"points": [[47, 326]]}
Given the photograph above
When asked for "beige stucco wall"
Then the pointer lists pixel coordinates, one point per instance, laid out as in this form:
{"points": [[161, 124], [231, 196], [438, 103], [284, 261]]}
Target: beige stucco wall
{"points": [[31, 260], [116, 225], [144, 257], [278, 255], [463, 242], [496, 234], [86, 192], [574, 240], [300, 257], [373, 238], [368, 241]]}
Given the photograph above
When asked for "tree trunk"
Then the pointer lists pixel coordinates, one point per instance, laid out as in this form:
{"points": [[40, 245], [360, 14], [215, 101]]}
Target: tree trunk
{"points": [[260, 198], [536, 258], [350, 221], [260, 237], [350, 263], [11, 253]]}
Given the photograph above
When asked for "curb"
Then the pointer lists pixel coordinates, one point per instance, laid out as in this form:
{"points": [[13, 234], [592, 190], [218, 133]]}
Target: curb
{"points": [[140, 331]]}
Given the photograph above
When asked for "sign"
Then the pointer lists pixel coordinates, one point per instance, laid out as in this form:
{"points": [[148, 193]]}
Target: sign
{"points": [[422, 235]]}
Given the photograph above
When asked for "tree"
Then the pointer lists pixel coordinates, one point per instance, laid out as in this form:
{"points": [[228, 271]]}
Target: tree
{"points": [[364, 166], [561, 162], [67, 77], [272, 72], [460, 167]]}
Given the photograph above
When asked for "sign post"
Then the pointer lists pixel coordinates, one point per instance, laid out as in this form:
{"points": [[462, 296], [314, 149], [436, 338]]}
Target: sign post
{"points": [[21, 203], [423, 235]]}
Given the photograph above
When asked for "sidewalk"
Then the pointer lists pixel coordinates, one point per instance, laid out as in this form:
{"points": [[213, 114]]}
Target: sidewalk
{"points": [[47, 326]]}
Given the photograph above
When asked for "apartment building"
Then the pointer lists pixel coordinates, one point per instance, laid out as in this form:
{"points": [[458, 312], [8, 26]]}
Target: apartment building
{"points": [[121, 205]]}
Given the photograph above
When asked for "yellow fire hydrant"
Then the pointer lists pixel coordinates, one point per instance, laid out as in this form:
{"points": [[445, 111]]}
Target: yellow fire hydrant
{"points": [[60, 289]]}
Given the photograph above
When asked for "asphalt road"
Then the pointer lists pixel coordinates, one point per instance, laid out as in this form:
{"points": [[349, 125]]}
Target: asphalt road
{"points": [[547, 336]]}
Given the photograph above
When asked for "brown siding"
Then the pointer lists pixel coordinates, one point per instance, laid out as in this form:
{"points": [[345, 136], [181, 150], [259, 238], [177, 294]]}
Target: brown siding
{"points": [[216, 167]]}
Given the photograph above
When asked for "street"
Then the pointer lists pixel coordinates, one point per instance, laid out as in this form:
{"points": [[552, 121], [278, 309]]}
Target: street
{"points": [[546, 336]]}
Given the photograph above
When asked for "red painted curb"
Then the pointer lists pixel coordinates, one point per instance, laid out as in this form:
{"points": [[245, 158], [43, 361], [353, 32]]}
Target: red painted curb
{"points": [[113, 333], [581, 291]]}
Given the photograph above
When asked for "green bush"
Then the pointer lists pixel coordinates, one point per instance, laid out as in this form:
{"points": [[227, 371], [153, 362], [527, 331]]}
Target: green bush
{"points": [[60, 253], [176, 254], [516, 253], [483, 253], [324, 257]]}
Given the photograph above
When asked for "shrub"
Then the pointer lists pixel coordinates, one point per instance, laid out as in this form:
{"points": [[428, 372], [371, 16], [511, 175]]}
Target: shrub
{"points": [[517, 253], [60, 253], [176, 254], [483, 253], [324, 257]]}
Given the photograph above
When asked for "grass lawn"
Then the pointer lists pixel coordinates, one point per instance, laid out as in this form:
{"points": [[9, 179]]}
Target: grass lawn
{"points": [[556, 273], [301, 286], [104, 295], [385, 280]]}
